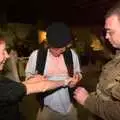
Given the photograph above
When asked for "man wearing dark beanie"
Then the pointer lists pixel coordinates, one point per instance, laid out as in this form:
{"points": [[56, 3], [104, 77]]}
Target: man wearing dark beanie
{"points": [[58, 63]]}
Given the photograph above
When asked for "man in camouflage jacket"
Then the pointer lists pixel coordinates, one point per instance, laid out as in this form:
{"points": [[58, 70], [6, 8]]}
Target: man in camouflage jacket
{"points": [[105, 101]]}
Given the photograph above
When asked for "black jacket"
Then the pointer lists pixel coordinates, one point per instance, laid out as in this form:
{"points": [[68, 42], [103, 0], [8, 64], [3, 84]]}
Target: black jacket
{"points": [[11, 93]]}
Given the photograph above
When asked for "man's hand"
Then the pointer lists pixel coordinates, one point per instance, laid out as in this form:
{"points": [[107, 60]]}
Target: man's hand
{"points": [[39, 83], [81, 94], [76, 78]]}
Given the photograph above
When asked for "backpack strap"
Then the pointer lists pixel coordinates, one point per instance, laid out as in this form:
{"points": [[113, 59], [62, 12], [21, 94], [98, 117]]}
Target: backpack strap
{"points": [[70, 67], [41, 60], [69, 61]]}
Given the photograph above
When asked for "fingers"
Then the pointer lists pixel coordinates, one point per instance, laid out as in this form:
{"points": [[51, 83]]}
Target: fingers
{"points": [[78, 89], [79, 92], [80, 95], [74, 81]]}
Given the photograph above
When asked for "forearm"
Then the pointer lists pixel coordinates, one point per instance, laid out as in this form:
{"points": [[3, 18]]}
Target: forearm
{"points": [[42, 86], [108, 110]]}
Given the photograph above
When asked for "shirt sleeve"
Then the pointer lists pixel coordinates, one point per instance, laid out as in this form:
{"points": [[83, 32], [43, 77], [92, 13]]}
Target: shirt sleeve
{"points": [[11, 91], [31, 64], [108, 110], [76, 62]]}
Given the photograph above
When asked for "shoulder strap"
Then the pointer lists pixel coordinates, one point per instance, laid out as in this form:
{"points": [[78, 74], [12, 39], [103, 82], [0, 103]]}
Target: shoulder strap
{"points": [[41, 60], [69, 61]]}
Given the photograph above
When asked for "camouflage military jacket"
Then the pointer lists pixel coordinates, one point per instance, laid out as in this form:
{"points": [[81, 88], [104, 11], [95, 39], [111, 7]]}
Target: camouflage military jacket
{"points": [[108, 87], [105, 101]]}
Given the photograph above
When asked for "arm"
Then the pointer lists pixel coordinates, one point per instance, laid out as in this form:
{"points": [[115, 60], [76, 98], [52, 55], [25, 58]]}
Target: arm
{"points": [[42, 86], [31, 64], [108, 110], [38, 83], [77, 71], [76, 64], [13, 92]]}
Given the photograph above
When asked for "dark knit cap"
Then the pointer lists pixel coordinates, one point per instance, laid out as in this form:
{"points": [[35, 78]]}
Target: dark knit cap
{"points": [[58, 35]]}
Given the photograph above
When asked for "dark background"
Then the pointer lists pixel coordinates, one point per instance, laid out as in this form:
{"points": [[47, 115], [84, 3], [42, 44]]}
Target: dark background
{"points": [[74, 12]]}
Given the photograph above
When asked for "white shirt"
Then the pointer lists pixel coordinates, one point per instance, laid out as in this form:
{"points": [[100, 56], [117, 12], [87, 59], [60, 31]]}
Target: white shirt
{"points": [[55, 69]]}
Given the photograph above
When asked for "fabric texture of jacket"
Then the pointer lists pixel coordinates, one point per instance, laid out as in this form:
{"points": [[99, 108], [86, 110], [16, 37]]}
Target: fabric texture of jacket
{"points": [[11, 93], [105, 101]]}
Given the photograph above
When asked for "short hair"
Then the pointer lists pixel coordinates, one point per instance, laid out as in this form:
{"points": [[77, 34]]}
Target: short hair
{"points": [[115, 10]]}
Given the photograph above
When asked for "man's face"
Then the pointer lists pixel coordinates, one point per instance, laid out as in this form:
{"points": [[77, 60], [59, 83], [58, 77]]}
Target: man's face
{"points": [[3, 55], [57, 51], [112, 26]]}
